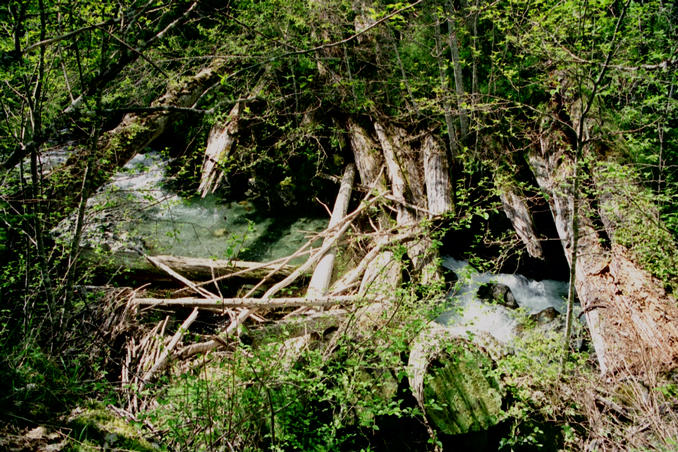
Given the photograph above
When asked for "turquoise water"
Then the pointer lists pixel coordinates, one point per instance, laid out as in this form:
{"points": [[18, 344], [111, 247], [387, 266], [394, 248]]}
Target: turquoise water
{"points": [[138, 211], [207, 228]]}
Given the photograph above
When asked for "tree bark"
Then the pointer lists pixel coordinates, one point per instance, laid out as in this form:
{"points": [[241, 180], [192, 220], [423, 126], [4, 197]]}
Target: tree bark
{"points": [[632, 321], [367, 156], [436, 173]]}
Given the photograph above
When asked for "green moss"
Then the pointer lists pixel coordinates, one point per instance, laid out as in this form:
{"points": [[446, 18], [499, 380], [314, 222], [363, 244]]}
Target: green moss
{"points": [[637, 224], [463, 396], [95, 427]]}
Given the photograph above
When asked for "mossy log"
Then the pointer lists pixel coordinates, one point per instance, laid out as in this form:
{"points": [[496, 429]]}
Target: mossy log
{"points": [[452, 380]]}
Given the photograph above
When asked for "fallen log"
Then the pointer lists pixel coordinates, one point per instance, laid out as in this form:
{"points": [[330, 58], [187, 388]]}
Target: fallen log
{"points": [[336, 231], [451, 379], [252, 303], [195, 268], [179, 277], [320, 281], [632, 320]]}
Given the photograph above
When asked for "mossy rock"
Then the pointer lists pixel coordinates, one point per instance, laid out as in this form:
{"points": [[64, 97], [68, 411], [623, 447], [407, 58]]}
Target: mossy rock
{"points": [[96, 428], [460, 393]]}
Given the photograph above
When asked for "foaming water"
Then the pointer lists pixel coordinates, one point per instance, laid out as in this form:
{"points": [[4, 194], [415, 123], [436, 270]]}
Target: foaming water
{"points": [[474, 316]]}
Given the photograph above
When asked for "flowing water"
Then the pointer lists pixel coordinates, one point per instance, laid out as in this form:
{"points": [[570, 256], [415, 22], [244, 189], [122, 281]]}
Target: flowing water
{"points": [[136, 210], [470, 314]]}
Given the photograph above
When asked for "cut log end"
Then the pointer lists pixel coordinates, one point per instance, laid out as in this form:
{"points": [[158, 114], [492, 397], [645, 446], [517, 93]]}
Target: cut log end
{"points": [[452, 382]]}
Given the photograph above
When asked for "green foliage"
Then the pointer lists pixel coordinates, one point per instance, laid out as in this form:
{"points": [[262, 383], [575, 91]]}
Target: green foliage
{"points": [[632, 213], [535, 380], [94, 428], [517, 56], [272, 397]]}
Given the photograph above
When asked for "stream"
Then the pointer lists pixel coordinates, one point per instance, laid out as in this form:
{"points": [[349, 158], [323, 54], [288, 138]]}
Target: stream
{"points": [[136, 210], [471, 315]]}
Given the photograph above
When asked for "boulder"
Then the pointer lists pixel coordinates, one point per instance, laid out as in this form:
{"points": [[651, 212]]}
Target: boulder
{"points": [[545, 316], [498, 293]]}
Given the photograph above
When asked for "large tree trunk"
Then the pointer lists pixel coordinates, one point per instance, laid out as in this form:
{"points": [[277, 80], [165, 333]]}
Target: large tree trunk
{"points": [[633, 322]]}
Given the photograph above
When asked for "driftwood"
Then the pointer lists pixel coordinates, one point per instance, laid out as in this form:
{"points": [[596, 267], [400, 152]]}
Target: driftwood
{"points": [[164, 356], [251, 303], [320, 281], [179, 277], [337, 231]]}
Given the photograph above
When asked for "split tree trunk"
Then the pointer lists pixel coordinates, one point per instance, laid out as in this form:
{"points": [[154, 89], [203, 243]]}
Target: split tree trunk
{"points": [[436, 173], [220, 142], [516, 209], [632, 321]]}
